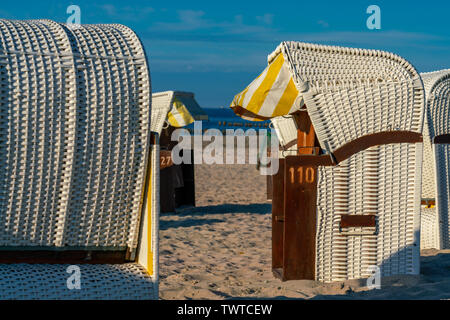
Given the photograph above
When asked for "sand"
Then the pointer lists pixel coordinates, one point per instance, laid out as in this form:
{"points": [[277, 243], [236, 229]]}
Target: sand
{"points": [[222, 249]]}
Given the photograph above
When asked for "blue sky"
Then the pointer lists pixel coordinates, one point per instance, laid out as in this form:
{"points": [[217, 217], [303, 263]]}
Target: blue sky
{"points": [[216, 48]]}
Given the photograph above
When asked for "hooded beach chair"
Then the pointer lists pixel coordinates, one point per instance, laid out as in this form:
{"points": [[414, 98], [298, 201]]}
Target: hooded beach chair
{"points": [[172, 110], [79, 165], [351, 196], [435, 221]]}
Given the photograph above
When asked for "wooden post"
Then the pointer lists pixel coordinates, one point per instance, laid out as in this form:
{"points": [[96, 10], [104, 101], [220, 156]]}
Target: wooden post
{"points": [[306, 136], [294, 208], [299, 243], [278, 219]]}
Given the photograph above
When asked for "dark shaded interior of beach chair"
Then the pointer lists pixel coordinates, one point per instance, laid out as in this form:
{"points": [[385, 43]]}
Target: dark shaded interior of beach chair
{"points": [[177, 183]]}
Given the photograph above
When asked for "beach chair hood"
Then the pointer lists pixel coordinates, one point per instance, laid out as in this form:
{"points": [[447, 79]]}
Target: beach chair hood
{"points": [[435, 174], [178, 108], [273, 93], [315, 77]]}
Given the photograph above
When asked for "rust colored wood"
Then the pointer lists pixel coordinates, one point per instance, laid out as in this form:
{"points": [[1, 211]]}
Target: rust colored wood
{"points": [[310, 160], [269, 189], [288, 145], [351, 221], [154, 138], [63, 256], [246, 114], [442, 139], [306, 136], [278, 216], [358, 145], [165, 159], [375, 139], [428, 202], [299, 243]]}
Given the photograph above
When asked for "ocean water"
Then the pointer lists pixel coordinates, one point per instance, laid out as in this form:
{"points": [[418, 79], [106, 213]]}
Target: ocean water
{"points": [[225, 118]]}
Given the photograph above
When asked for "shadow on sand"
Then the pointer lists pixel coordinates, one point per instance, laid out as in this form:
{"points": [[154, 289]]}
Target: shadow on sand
{"points": [[256, 208], [186, 223], [433, 283], [189, 215]]}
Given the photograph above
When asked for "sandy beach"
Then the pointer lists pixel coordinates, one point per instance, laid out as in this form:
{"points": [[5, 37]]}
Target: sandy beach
{"points": [[222, 249]]}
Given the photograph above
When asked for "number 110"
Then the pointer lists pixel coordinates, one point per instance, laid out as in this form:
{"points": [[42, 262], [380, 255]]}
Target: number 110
{"points": [[303, 174]]}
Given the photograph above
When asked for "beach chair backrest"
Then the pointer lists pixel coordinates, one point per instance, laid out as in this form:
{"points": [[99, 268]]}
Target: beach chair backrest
{"points": [[352, 93], [436, 177], [75, 135]]}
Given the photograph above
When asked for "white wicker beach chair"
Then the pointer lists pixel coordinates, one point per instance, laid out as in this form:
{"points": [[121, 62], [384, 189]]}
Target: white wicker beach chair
{"points": [[171, 110], [366, 108], [435, 221], [75, 143]]}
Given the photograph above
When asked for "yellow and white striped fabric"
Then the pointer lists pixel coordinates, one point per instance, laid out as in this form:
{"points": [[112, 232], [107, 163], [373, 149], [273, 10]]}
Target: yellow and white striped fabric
{"points": [[179, 116], [270, 95]]}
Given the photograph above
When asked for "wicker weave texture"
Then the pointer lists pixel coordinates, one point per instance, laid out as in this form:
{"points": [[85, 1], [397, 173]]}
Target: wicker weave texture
{"points": [[442, 156], [97, 282], [161, 104], [429, 229], [75, 127], [350, 93], [38, 108], [428, 170], [437, 122], [381, 181], [436, 160]]}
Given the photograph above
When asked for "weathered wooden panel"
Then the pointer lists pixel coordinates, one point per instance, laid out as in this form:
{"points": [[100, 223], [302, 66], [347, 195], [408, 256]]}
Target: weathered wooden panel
{"points": [[354, 221], [165, 159], [300, 196], [269, 185], [365, 142]]}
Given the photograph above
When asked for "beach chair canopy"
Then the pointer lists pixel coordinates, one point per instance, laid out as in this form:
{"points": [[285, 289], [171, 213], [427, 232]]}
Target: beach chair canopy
{"points": [[75, 141], [374, 84], [178, 109], [366, 108], [273, 93], [436, 176]]}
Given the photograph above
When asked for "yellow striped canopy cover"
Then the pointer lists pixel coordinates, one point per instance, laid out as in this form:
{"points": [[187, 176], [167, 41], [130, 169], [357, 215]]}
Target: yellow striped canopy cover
{"points": [[270, 95], [179, 115]]}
